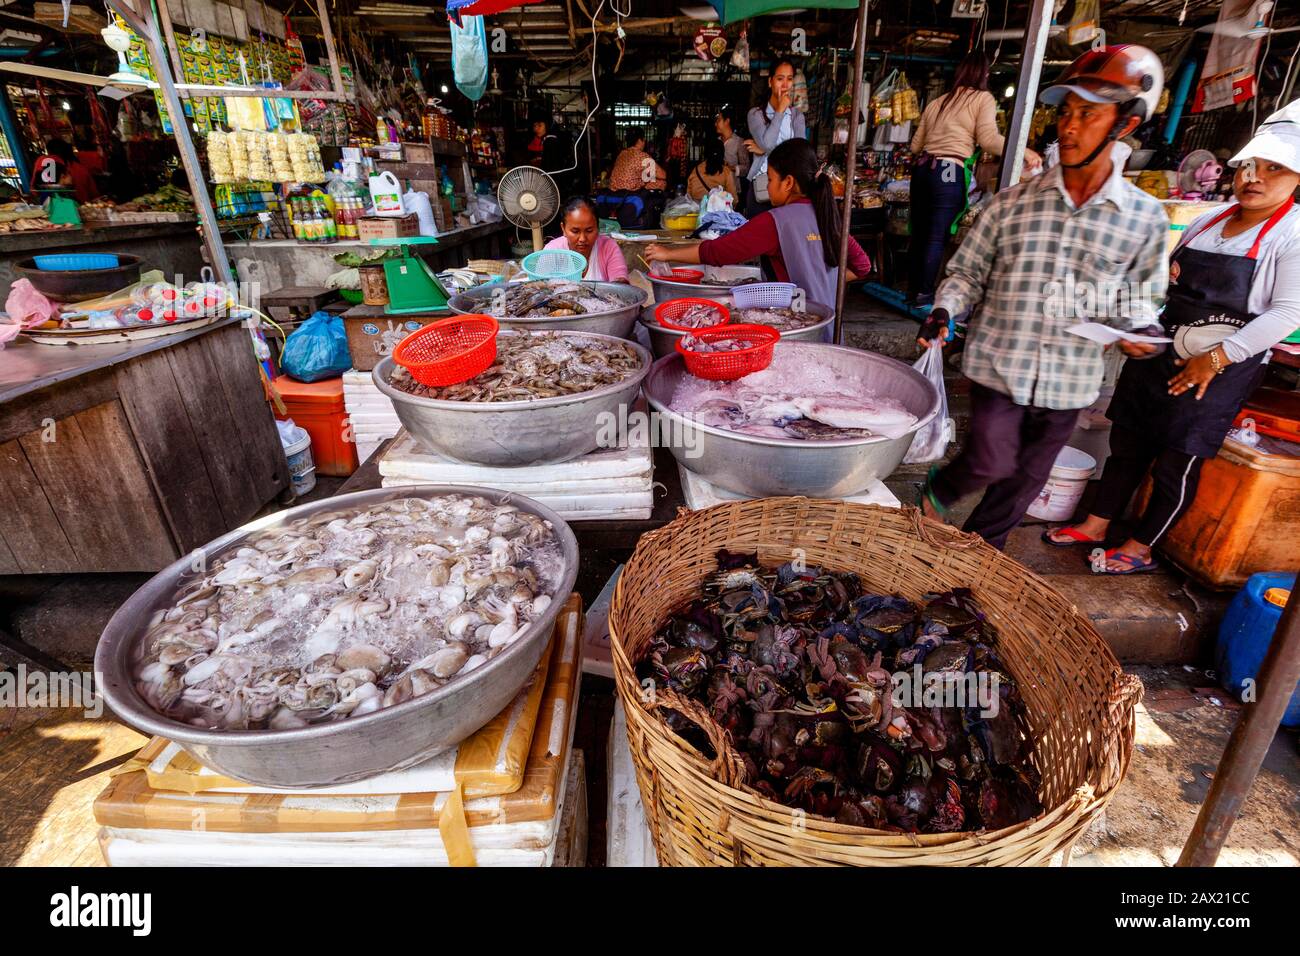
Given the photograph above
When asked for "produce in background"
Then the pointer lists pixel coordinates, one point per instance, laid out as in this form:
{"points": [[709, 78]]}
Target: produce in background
{"points": [[796, 664]]}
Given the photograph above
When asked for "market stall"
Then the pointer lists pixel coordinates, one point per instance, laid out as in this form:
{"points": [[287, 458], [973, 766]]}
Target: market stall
{"points": [[478, 427], [127, 456]]}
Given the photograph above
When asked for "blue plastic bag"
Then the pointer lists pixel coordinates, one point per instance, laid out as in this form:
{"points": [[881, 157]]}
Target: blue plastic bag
{"points": [[469, 56], [317, 349]]}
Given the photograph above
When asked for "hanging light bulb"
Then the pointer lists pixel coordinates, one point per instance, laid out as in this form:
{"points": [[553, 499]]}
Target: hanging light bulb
{"points": [[444, 87], [65, 106], [1009, 92]]}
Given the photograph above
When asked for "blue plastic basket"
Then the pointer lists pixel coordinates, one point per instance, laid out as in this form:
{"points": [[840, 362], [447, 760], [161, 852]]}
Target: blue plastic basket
{"points": [[764, 295], [555, 264], [76, 262]]}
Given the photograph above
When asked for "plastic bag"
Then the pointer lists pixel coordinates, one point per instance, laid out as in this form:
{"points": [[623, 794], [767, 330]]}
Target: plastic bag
{"points": [[469, 56], [716, 199], [681, 208], [932, 441], [317, 350], [27, 307]]}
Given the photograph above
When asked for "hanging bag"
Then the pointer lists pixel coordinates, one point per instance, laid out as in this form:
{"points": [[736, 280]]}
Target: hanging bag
{"points": [[469, 56]]}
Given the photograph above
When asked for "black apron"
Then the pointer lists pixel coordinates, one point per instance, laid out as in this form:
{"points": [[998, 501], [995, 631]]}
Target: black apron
{"points": [[1206, 303]]}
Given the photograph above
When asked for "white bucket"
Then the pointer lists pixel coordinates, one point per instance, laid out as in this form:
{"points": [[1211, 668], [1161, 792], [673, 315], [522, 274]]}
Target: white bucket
{"points": [[297, 450], [1060, 496]]}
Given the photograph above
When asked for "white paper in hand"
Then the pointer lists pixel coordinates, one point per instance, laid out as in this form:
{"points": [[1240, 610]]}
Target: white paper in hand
{"points": [[1105, 335]]}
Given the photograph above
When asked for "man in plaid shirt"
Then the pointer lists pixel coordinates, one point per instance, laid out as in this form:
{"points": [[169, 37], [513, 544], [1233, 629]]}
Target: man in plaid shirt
{"points": [[1077, 244]]}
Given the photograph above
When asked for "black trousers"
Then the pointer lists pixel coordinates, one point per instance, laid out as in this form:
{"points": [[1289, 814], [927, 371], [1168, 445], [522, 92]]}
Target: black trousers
{"points": [[1174, 477], [1009, 455], [938, 195]]}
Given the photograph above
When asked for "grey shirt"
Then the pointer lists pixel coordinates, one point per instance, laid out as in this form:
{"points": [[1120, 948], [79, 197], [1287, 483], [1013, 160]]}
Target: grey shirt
{"points": [[765, 129], [736, 156]]}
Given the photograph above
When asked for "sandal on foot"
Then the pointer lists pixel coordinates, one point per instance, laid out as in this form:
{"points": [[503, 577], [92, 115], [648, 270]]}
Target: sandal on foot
{"points": [[1135, 564], [926, 493], [1071, 532]]}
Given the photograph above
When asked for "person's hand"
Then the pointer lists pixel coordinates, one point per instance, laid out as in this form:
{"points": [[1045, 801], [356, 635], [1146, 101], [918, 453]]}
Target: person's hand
{"points": [[934, 329], [1197, 373], [784, 102], [753, 147], [656, 252], [1032, 160], [1137, 349]]}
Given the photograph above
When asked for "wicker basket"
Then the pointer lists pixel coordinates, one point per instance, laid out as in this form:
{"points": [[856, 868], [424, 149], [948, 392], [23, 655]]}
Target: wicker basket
{"points": [[1080, 704]]}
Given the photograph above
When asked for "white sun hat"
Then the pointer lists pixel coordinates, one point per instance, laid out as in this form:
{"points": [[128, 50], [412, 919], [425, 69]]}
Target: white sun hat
{"points": [[1276, 141]]}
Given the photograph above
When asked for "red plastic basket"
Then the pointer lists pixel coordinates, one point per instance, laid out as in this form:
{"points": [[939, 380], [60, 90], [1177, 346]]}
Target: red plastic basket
{"points": [[693, 276], [729, 366], [666, 312], [449, 351]]}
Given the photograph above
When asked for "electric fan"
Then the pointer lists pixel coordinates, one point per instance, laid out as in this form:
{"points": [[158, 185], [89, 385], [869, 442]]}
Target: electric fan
{"points": [[530, 199], [1198, 174]]}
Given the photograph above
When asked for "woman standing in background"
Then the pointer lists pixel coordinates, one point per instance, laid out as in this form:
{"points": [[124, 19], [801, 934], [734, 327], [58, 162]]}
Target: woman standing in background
{"points": [[953, 128], [770, 125]]}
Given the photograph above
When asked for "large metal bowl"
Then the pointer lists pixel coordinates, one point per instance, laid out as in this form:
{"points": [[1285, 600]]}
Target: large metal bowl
{"points": [[618, 321], [666, 289], [515, 434], [351, 749], [764, 467], [664, 341]]}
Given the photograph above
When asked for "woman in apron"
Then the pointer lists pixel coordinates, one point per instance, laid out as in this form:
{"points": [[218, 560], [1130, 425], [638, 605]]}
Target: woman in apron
{"points": [[799, 236], [580, 232], [1234, 292]]}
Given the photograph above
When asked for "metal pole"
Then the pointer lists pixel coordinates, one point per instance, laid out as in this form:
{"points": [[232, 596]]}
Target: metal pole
{"points": [[1031, 69], [147, 28], [1249, 741], [859, 50]]}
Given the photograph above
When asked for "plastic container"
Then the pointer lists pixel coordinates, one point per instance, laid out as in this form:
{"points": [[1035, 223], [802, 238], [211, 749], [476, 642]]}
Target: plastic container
{"points": [[297, 447], [1246, 516], [764, 295], [317, 408], [729, 366], [1246, 631], [386, 195], [1274, 412], [667, 312], [304, 482], [449, 351], [72, 261], [555, 264], [692, 276], [1061, 495]]}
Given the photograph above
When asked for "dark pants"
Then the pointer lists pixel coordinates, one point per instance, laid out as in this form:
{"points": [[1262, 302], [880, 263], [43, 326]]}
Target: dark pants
{"points": [[1174, 477], [754, 205], [938, 195], [1009, 454]]}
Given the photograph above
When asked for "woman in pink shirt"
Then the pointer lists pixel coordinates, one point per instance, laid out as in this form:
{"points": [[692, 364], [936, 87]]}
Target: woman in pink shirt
{"points": [[581, 233]]}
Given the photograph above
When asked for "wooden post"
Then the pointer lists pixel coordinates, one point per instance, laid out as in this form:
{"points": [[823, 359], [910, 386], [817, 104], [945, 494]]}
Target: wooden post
{"points": [[859, 52], [1249, 741]]}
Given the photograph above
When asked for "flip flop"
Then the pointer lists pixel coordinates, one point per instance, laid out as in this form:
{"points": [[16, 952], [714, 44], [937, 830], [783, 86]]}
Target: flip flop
{"points": [[926, 493], [1135, 565], [1070, 532]]}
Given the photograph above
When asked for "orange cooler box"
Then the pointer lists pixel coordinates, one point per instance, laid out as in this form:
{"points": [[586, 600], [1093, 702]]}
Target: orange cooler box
{"points": [[317, 407], [1246, 517]]}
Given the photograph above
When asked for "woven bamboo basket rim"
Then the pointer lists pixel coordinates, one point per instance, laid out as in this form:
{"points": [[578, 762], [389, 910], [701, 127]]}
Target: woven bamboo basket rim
{"points": [[699, 807]]}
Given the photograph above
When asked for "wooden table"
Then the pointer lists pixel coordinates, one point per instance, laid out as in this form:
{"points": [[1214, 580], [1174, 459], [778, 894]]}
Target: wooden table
{"points": [[611, 535], [124, 457]]}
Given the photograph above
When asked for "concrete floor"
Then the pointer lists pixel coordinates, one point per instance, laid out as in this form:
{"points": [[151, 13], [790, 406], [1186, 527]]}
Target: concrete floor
{"points": [[1150, 620]]}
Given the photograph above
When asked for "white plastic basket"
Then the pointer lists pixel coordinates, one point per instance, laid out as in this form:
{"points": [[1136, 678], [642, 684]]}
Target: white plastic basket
{"points": [[764, 295]]}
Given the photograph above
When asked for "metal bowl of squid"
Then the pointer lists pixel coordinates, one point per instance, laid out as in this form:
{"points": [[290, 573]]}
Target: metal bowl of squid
{"points": [[763, 467], [515, 434], [356, 747], [664, 341], [716, 284], [617, 321]]}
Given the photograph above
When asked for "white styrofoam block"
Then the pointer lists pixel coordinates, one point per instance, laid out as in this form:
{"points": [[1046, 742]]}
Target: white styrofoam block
{"points": [[627, 836], [407, 457], [553, 489], [596, 511], [700, 493]]}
